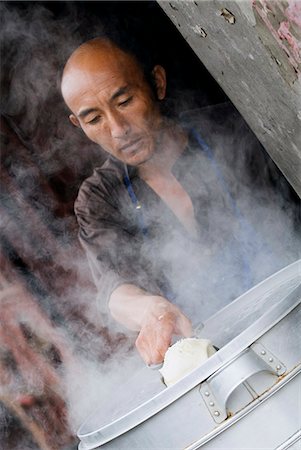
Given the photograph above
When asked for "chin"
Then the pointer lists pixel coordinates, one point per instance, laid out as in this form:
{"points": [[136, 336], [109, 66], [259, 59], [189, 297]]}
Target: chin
{"points": [[139, 158]]}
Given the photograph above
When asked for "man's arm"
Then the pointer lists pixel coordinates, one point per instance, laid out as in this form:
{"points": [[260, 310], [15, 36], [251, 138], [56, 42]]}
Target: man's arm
{"points": [[133, 297], [156, 319]]}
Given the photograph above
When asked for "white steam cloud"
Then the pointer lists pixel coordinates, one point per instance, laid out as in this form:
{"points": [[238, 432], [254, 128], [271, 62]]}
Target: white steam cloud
{"points": [[36, 44]]}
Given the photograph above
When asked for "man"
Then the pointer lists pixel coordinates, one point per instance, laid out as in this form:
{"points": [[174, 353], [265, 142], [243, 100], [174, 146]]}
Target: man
{"points": [[143, 222], [111, 101]]}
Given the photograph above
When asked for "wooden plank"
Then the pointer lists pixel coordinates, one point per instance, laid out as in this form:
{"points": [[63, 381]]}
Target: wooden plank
{"points": [[252, 49]]}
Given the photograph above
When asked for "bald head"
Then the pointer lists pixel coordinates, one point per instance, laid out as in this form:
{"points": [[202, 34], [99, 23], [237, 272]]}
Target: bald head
{"points": [[87, 49], [96, 55], [110, 99]]}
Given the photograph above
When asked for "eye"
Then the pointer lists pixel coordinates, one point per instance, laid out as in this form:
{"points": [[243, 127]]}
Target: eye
{"points": [[126, 101], [94, 120]]}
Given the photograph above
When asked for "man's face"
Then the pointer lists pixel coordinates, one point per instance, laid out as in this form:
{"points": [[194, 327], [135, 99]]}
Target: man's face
{"points": [[113, 104]]}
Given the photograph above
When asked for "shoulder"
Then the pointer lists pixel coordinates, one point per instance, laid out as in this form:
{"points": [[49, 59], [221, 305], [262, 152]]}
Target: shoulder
{"points": [[220, 119], [102, 186], [223, 128], [230, 140]]}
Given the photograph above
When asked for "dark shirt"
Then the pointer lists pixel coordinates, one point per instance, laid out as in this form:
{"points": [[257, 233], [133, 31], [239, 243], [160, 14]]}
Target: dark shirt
{"points": [[209, 269]]}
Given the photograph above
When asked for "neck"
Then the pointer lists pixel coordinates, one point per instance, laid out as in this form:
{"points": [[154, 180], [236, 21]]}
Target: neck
{"points": [[170, 145]]}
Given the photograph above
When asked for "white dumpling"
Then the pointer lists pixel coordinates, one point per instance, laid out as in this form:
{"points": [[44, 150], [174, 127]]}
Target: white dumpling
{"points": [[183, 357]]}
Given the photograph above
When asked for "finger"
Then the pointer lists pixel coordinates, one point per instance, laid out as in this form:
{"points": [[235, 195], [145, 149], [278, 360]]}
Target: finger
{"points": [[147, 346], [150, 353], [183, 326], [154, 340]]}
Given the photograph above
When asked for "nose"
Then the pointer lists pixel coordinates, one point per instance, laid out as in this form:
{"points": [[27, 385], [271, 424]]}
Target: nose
{"points": [[119, 126]]}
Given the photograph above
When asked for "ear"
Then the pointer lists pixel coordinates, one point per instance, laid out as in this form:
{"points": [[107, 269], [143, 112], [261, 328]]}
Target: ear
{"points": [[159, 75], [74, 120]]}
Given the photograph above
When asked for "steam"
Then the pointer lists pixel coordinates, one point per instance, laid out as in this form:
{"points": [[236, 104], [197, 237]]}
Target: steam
{"points": [[253, 224], [36, 44]]}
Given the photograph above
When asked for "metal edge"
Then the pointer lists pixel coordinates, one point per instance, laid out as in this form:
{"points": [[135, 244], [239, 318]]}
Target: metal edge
{"points": [[290, 441], [245, 411], [285, 274], [223, 356]]}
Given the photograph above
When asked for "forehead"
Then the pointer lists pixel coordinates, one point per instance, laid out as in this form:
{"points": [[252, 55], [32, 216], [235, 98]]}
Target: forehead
{"points": [[99, 70]]}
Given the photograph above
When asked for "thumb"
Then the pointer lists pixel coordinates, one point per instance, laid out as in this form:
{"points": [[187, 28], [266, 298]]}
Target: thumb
{"points": [[183, 326]]}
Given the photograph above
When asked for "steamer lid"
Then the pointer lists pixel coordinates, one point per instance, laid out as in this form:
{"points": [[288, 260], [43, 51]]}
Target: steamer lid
{"points": [[232, 329]]}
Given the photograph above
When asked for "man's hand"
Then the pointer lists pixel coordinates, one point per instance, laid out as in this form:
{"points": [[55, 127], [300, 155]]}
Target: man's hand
{"points": [[162, 321], [156, 319]]}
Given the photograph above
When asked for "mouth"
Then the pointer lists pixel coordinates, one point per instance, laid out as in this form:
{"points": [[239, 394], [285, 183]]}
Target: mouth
{"points": [[131, 146]]}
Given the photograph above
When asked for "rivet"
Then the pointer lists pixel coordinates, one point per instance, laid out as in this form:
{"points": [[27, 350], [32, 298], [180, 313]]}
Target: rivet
{"points": [[271, 359], [206, 393], [216, 413], [278, 367], [211, 403], [263, 352]]}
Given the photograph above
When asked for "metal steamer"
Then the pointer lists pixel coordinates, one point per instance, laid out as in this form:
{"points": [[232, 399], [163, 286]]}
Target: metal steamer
{"points": [[247, 395]]}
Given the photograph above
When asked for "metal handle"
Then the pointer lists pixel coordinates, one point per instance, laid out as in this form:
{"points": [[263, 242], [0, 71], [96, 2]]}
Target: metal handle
{"points": [[218, 388]]}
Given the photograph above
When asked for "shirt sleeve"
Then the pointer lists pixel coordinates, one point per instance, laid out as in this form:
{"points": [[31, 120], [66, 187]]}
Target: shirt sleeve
{"points": [[113, 251]]}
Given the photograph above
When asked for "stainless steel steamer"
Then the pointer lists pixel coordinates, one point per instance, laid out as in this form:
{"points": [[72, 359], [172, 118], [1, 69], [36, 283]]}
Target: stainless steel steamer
{"points": [[246, 396]]}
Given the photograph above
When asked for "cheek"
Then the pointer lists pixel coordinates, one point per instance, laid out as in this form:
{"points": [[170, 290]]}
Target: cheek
{"points": [[94, 134], [90, 135], [145, 116]]}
